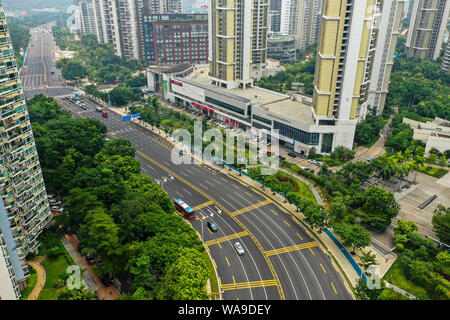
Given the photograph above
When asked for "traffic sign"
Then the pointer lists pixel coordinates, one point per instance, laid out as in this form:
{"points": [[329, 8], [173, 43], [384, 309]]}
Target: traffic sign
{"points": [[131, 116]]}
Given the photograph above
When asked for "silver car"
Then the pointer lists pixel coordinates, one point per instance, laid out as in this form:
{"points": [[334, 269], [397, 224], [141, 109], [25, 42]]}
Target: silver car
{"points": [[239, 248]]}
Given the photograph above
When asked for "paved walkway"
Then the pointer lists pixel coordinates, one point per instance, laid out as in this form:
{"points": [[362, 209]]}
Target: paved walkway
{"points": [[41, 277], [401, 291], [90, 280]]}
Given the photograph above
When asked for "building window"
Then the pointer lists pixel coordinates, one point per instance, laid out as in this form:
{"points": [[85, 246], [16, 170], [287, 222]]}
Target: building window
{"points": [[297, 134], [224, 105], [267, 121]]}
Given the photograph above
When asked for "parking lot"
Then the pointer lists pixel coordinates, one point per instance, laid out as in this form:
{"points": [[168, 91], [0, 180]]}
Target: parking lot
{"points": [[284, 153]]}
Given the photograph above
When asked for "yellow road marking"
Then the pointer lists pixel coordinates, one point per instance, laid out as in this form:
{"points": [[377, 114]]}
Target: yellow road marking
{"points": [[309, 234], [274, 211], [249, 208], [248, 194], [219, 245], [246, 285], [200, 206], [333, 288], [291, 248], [257, 243], [228, 262], [226, 238], [214, 262], [235, 186], [335, 268], [322, 249], [210, 231], [287, 223], [312, 251], [223, 179], [346, 287], [300, 236], [323, 268]]}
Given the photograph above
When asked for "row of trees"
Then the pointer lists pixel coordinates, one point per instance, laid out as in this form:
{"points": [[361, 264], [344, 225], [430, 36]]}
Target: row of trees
{"points": [[422, 262], [117, 213], [375, 206], [119, 96], [318, 216]]}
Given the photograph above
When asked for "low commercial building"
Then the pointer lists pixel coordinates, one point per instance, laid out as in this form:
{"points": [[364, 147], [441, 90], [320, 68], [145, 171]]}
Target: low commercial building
{"points": [[281, 48], [154, 74], [254, 108], [435, 134]]}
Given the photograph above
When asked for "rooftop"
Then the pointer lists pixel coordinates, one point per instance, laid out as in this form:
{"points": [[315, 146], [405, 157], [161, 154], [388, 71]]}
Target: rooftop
{"points": [[271, 101]]}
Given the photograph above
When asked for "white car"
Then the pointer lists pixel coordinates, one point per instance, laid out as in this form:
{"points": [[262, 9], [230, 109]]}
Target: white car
{"points": [[54, 202], [57, 209], [239, 248]]}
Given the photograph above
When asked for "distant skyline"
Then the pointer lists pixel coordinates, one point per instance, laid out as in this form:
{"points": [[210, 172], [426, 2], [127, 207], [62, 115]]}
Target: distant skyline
{"points": [[16, 5]]}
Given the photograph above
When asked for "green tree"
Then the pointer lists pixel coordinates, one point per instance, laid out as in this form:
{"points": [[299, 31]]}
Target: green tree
{"points": [[379, 208], [363, 292], [185, 278], [353, 236], [73, 70], [441, 223]]}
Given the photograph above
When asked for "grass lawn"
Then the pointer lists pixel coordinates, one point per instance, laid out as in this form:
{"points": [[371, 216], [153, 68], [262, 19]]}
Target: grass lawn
{"points": [[212, 274], [396, 276], [31, 283], [298, 187], [54, 267], [434, 172], [389, 294]]}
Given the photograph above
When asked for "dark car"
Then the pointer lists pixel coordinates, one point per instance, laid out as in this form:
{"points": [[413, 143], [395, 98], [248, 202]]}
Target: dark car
{"points": [[212, 226], [81, 246], [292, 154], [90, 257], [107, 280], [281, 158]]}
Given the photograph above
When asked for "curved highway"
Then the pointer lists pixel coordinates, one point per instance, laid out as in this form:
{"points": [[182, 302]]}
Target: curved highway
{"points": [[281, 261]]}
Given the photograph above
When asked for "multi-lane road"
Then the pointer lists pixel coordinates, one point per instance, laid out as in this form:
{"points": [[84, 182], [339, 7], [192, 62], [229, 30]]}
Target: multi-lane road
{"points": [[282, 260], [39, 74]]}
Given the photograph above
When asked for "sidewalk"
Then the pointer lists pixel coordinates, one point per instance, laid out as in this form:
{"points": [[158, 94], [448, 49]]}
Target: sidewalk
{"points": [[401, 291], [90, 279], [41, 278]]}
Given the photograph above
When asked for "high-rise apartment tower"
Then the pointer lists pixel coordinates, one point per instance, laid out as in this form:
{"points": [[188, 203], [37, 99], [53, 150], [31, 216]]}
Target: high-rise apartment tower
{"points": [[24, 208], [427, 28]]}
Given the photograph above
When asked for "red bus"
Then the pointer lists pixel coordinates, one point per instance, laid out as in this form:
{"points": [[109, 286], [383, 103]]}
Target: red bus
{"points": [[183, 208]]}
